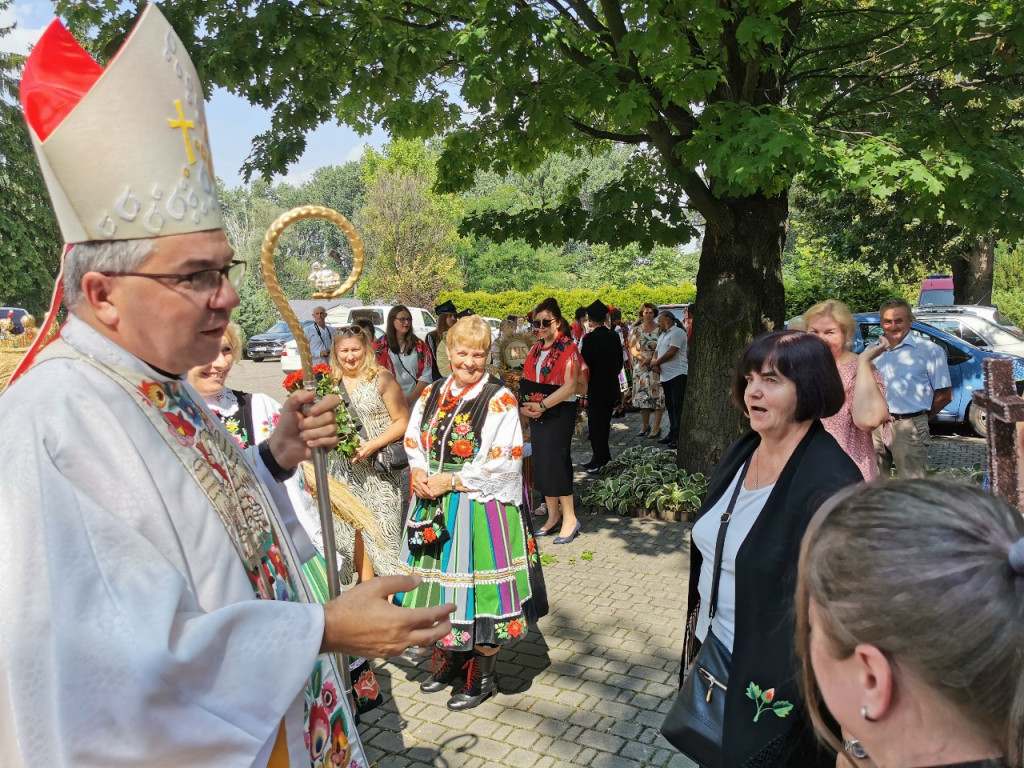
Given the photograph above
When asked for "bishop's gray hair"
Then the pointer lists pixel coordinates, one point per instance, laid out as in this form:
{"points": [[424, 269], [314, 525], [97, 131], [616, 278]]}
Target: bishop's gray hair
{"points": [[101, 256], [921, 569]]}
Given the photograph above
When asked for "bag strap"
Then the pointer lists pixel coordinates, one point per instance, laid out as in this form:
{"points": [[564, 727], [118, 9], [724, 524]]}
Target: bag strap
{"points": [[346, 398], [720, 544]]}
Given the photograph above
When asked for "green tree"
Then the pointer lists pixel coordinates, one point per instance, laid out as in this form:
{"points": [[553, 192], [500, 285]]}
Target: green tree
{"points": [[1009, 277], [408, 229], [721, 103], [30, 241]]}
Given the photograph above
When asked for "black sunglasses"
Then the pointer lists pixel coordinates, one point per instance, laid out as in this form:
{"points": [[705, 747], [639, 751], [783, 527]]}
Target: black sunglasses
{"points": [[542, 323]]}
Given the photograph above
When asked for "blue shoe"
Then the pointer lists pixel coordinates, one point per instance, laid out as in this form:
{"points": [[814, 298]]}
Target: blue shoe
{"points": [[547, 532], [568, 539]]}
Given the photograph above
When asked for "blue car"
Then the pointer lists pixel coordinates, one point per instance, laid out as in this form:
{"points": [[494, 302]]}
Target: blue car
{"points": [[965, 368]]}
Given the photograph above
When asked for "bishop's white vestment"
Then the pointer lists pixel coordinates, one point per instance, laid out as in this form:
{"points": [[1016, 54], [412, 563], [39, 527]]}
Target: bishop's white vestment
{"points": [[130, 629]]}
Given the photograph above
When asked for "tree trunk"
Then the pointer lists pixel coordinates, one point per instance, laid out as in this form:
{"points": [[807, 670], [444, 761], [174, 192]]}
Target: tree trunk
{"points": [[739, 296], [972, 271]]}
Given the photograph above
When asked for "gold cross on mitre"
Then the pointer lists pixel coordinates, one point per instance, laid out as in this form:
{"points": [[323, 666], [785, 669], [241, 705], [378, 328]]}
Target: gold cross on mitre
{"points": [[184, 124]]}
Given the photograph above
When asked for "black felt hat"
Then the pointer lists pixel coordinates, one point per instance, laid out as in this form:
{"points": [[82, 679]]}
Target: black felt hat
{"points": [[465, 313], [597, 311], [446, 307]]}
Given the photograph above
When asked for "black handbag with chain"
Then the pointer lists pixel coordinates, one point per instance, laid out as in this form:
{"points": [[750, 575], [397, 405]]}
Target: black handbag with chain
{"points": [[695, 723]]}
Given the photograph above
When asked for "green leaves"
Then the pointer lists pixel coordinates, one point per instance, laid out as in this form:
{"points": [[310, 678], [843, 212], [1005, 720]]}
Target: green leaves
{"points": [[646, 479]]}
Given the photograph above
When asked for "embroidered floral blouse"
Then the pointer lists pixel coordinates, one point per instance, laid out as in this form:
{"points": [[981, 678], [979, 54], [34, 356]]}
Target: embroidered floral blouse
{"points": [[480, 431]]}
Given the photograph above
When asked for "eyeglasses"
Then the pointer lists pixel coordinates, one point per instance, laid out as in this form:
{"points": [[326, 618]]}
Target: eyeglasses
{"points": [[404, 319], [201, 281], [542, 323]]}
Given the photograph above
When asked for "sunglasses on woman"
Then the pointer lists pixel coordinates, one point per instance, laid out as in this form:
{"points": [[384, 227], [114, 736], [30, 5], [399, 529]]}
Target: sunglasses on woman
{"points": [[542, 323], [350, 330]]}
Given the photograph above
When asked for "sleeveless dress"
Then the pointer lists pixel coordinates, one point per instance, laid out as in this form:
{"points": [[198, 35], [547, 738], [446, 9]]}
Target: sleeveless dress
{"points": [[473, 548], [380, 493], [856, 442], [647, 391]]}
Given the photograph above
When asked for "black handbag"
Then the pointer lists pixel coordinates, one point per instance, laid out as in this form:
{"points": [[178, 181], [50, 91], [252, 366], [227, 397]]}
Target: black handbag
{"points": [[695, 723], [392, 457]]}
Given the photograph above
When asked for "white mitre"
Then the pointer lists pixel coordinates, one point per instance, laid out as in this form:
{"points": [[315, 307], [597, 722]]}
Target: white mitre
{"points": [[131, 159]]}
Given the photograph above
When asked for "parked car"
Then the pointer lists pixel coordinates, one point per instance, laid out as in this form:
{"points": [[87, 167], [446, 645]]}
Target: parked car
{"points": [[978, 331], [290, 360], [422, 321], [936, 289], [979, 310], [677, 310], [15, 314], [271, 342], [965, 368]]}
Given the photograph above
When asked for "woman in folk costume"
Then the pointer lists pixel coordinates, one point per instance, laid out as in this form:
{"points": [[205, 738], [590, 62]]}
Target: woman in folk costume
{"points": [[161, 614], [548, 388], [404, 355], [468, 534]]}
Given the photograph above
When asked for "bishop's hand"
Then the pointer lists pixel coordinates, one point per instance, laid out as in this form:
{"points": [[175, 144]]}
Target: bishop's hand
{"points": [[361, 621]]}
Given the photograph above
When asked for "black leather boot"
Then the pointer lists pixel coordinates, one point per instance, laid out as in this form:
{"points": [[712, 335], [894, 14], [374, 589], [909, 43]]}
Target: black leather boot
{"points": [[481, 682], [445, 671]]}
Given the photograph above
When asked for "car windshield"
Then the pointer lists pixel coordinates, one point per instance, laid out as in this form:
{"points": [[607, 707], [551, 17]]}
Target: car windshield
{"points": [[279, 327], [942, 296], [998, 335]]}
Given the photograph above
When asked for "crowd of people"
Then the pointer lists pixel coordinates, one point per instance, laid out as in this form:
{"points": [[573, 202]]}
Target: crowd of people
{"points": [[165, 603]]}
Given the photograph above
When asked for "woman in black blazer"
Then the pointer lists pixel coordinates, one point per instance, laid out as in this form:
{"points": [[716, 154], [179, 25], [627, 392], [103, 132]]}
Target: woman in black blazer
{"points": [[788, 464]]}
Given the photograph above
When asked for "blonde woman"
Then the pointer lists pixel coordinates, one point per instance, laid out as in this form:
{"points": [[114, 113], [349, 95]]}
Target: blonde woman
{"points": [[378, 404], [865, 407]]}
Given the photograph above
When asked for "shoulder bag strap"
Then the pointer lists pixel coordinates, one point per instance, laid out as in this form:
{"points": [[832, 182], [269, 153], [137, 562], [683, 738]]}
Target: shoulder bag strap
{"points": [[720, 544], [347, 400]]}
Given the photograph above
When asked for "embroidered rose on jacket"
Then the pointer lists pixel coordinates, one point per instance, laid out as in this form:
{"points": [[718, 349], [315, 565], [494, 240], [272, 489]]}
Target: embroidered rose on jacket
{"points": [[495, 452], [507, 400], [765, 701], [462, 448], [517, 451], [462, 429], [319, 732], [410, 443]]}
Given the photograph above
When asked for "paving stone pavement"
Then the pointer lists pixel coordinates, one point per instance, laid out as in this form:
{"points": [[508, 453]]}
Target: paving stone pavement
{"points": [[592, 685]]}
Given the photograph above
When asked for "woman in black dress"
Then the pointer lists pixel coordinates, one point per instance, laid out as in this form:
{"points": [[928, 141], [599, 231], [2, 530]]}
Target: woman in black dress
{"points": [[548, 394]]}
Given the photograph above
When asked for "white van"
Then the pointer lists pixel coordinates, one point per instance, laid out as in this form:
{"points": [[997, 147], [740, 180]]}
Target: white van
{"points": [[422, 321]]}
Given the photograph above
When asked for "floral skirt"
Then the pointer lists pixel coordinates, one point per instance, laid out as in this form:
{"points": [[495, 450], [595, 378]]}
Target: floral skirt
{"points": [[482, 557]]}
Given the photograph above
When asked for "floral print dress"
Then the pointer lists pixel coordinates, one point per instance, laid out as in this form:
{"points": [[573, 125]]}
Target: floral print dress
{"points": [[647, 392], [473, 548]]}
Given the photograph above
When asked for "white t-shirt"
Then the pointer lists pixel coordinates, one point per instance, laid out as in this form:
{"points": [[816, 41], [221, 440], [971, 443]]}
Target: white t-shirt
{"points": [[676, 365], [705, 535], [405, 371]]}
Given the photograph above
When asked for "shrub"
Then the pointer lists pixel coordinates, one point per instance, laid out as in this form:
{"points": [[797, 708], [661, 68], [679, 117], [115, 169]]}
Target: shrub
{"points": [[645, 481]]}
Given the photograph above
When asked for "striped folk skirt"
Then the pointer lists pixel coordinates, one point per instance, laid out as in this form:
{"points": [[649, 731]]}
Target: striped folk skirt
{"points": [[481, 556]]}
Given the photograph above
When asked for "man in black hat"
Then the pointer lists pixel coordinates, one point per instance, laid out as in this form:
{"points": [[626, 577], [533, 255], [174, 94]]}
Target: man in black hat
{"points": [[602, 352]]}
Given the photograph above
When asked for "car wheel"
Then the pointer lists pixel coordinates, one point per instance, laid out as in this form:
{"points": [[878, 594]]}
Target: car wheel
{"points": [[257, 359], [978, 420]]}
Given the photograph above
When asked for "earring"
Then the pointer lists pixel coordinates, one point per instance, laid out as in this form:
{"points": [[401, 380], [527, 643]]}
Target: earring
{"points": [[864, 714]]}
